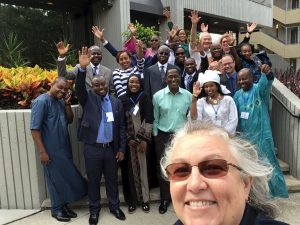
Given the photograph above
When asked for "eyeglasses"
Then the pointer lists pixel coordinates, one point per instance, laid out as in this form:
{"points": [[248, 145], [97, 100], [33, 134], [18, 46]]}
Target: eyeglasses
{"points": [[225, 64], [214, 168], [153, 40]]}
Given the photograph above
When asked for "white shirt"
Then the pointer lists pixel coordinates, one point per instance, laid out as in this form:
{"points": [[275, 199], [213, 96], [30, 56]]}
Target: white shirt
{"points": [[223, 114]]}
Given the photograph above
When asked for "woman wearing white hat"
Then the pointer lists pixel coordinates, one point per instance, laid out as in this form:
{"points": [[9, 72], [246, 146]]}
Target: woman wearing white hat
{"points": [[212, 103]]}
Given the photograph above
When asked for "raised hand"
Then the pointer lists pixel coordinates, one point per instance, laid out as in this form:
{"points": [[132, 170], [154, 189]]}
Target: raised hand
{"points": [[84, 57], [132, 29], [62, 49], [194, 17], [230, 38], [99, 33], [197, 88], [251, 28], [139, 44], [173, 32], [265, 68], [167, 13], [204, 28]]}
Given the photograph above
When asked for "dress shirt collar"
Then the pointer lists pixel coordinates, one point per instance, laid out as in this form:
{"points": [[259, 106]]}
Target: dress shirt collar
{"points": [[167, 90], [92, 65], [193, 74], [106, 98], [165, 65], [232, 75]]}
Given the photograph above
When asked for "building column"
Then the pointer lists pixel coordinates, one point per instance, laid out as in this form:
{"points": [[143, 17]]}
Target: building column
{"points": [[114, 20]]}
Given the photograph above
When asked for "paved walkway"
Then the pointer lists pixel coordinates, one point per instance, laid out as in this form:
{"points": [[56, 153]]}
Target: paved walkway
{"points": [[290, 214]]}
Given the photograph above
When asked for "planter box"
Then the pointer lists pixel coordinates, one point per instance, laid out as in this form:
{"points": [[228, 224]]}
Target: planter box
{"points": [[285, 126], [22, 184]]}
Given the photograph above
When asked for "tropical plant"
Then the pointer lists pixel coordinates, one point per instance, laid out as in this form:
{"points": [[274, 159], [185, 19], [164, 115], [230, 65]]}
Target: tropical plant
{"points": [[19, 86], [12, 51], [291, 79], [142, 33], [35, 27], [71, 57]]}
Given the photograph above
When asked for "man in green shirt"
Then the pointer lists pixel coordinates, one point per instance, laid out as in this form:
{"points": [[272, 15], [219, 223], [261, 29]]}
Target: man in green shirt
{"points": [[170, 106]]}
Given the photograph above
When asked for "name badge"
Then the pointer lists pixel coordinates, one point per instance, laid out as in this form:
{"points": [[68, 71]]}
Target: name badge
{"points": [[110, 117], [244, 115], [135, 110]]}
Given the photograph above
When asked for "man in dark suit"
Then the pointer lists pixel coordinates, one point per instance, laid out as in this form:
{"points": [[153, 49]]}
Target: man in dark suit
{"points": [[190, 75], [155, 76], [93, 69], [229, 78], [102, 130]]}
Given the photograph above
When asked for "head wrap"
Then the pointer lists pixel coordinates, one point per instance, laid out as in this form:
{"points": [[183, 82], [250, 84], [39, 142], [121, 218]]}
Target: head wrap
{"points": [[212, 76]]}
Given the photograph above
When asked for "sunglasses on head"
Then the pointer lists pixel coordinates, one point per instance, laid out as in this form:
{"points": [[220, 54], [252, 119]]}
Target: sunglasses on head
{"points": [[211, 169], [96, 53]]}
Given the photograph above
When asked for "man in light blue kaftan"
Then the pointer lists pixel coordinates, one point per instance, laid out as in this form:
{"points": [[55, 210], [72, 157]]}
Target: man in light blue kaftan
{"points": [[50, 116], [252, 102]]}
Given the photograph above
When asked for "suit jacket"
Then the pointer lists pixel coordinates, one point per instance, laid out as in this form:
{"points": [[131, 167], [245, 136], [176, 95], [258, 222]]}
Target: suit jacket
{"points": [[225, 81], [152, 79], [92, 115], [72, 74], [195, 78]]}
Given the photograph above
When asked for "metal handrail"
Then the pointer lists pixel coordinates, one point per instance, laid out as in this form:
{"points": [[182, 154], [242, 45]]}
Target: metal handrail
{"points": [[284, 106]]}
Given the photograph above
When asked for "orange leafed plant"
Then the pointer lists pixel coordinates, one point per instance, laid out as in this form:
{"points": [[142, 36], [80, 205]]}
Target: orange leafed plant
{"points": [[21, 85]]}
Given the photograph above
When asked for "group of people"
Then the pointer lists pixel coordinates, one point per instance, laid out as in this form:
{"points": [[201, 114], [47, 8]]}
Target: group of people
{"points": [[161, 99]]}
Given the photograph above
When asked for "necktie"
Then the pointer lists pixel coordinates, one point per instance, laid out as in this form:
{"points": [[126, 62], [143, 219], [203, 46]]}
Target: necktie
{"points": [[162, 74], [232, 85], [107, 127], [189, 80], [95, 70]]}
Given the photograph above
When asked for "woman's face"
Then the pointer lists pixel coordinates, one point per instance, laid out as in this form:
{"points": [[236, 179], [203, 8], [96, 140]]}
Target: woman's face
{"points": [[124, 61], [207, 201], [155, 42], [134, 84], [182, 36], [211, 89], [246, 51]]}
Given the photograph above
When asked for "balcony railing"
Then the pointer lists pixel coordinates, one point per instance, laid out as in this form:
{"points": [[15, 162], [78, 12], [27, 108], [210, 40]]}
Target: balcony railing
{"points": [[286, 35], [287, 4]]}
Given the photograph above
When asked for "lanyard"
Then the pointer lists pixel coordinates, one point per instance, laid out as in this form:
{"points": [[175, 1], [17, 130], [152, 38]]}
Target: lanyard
{"points": [[245, 100], [216, 110], [133, 102]]}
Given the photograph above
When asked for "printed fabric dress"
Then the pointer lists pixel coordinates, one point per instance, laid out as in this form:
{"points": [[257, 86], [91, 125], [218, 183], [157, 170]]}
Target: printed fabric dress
{"points": [[64, 182], [254, 124]]}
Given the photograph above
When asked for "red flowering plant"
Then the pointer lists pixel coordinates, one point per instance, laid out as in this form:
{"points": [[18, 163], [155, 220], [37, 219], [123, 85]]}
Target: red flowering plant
{"points": [[291, 79]]}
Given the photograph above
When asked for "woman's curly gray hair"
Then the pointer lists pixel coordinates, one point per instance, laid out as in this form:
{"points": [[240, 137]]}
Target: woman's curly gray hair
{"points": [[246, 156]]}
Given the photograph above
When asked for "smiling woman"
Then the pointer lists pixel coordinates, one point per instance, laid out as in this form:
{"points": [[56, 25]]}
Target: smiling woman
{"points": [[216, 178]]}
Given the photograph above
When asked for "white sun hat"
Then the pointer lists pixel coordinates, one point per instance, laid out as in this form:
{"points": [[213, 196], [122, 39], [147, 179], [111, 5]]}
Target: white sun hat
{"points": [[212, 76]]}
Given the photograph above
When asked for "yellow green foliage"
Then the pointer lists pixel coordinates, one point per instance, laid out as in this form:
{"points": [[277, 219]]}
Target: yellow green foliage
{"points": [[23, 84]]}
